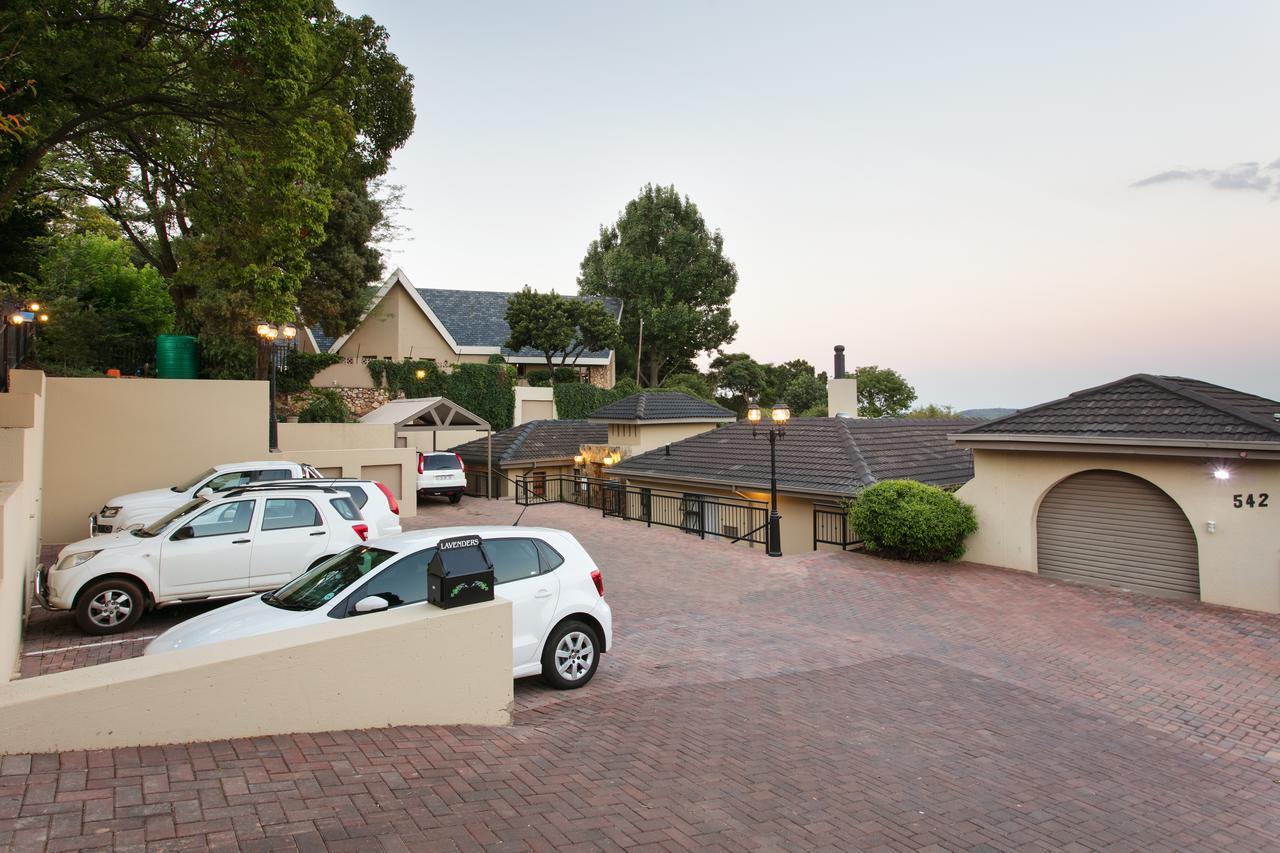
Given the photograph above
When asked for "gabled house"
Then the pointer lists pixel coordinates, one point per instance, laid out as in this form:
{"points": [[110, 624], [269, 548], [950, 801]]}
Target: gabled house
{"points": [[445, 326], [1159, 484]]}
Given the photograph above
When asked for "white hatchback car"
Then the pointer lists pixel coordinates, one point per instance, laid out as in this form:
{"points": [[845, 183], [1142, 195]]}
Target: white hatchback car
{"points": [[138, 508], [233, 544], [442, 473], [560, 622]]}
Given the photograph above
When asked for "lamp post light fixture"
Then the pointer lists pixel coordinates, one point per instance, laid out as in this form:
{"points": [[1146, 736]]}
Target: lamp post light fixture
{"points": [[274, 339], [779, 415]]}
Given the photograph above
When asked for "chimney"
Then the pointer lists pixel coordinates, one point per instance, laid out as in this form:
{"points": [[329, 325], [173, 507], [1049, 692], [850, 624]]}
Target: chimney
{"points": [[842, 391]]}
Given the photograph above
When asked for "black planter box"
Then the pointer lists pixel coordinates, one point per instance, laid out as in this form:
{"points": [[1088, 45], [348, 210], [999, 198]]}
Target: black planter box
{"points": [[460, 573]]}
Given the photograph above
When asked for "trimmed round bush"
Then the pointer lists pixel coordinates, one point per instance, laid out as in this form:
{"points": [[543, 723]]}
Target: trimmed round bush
{"points": [[912, 521], [538, 378]]}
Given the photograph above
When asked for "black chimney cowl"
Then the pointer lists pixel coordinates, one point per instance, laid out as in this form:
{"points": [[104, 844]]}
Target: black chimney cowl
{"points": [[839, 361]]}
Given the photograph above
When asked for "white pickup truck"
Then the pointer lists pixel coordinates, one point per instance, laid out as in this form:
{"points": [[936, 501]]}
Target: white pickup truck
{"points": [[140, 508]]}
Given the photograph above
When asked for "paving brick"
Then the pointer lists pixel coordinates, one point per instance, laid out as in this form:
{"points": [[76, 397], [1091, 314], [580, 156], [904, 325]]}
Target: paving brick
{"points": [[823, 701]]}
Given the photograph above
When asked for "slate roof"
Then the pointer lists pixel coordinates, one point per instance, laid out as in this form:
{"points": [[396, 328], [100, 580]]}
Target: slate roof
{"points": [[1143, 406], [837, 456], [323, 341], [661, 406], [534, 441], [477, 318]]}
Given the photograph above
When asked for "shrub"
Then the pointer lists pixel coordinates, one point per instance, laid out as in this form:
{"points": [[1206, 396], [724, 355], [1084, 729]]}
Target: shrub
{"points": [[912, 521], [538, 378], [496, 358], [564, 374], [576, 400], [326, 406], [692, 384]]}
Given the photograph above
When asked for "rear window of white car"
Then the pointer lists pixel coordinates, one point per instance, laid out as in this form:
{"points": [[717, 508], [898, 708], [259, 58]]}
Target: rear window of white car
{"points": [[345, 508], [441, 462], [358, 495]]}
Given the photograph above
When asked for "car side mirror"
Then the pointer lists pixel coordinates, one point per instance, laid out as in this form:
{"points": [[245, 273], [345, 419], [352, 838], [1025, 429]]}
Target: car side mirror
{"points": [[371, 604], [185, 532], [204, 493]]}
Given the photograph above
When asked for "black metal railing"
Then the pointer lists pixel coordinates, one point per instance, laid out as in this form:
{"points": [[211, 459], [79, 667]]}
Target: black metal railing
{"points": [[831, 527], [705, 516]]}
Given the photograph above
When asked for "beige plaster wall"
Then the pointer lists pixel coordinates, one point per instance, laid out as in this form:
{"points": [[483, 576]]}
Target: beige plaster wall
{"points": [[641, 438], [842, 396], [344, 375], [335, 436], [105, 437], [1239, 563], [534, 404], [394, 467], [414, 665], [21, 469]]}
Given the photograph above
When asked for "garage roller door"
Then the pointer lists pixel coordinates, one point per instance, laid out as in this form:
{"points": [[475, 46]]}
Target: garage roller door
{"points": [[1113, 529]]}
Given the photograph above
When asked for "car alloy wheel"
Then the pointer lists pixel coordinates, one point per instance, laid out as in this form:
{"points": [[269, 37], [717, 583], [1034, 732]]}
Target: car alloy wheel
{"points": [[111, 608], [574, 654]]}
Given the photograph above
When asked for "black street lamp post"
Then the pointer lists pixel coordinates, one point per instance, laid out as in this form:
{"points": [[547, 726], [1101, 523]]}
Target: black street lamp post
{"points": [[779, 414], [274, 339]]}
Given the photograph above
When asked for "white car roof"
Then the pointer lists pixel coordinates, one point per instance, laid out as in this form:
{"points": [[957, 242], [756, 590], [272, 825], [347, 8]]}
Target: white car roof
{"points": [[254, 490], [275, 463], [415, 539]]}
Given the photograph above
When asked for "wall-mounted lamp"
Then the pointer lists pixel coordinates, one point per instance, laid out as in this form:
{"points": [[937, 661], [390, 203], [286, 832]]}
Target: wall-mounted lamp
{"points": [[1221, 474], [579, 459], [421, 374]]}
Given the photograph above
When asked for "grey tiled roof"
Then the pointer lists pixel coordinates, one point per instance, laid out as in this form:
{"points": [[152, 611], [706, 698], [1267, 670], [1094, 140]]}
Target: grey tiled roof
{"points": [[1145, 406], [838, 456], [323, 341], [477, 318], [534, 440], [661, 406]]}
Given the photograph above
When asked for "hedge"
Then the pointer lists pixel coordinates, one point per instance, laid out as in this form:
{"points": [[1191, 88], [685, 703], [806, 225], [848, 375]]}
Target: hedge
{"points": [[912, 521], [300, 368]]}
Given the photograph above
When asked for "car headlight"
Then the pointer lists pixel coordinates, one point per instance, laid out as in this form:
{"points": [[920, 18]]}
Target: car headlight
{"points": [[109, 512], [72, 560]]}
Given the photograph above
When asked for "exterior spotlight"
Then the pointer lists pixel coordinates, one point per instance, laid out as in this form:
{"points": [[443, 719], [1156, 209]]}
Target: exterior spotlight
{"points": [[34, 306], [781, 413], [753, 413], [421, 374], [1221, 474], [607, 461], [578, 459], [43, 318]]}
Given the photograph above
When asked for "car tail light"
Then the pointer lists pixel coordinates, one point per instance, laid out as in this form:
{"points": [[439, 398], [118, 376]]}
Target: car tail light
{"points": [[391, 499], [362, 530], [598, 580], [461, 465], [422, 463]]}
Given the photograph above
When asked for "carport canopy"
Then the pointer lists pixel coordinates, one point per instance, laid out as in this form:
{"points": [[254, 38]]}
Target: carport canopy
{"points": [[430, 414]]}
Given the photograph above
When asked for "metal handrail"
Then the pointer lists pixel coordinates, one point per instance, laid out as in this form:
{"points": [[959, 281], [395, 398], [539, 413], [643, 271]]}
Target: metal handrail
{"points": [[831, 527]]}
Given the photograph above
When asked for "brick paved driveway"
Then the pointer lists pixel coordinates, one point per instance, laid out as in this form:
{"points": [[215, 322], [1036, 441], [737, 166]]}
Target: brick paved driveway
{"points": [[827, 701]]}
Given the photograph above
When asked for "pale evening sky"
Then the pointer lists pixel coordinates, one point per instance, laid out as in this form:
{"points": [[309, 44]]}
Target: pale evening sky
{"points": [[947, 189]]}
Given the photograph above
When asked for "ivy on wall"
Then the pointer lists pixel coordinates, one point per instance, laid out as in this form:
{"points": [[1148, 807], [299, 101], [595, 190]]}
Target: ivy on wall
{"points": [[300, 368], [485, 389], [576, 400]]}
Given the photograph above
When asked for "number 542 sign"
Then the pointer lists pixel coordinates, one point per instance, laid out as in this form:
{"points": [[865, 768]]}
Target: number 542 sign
{"points": [[1250, 501]]}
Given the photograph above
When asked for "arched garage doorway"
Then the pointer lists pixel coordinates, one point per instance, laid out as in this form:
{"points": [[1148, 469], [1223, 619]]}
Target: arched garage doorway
{"points": [[1113, 529]]}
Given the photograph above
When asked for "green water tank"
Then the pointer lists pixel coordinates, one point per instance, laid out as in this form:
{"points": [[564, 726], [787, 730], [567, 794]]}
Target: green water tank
{"points": [[176, 357]]}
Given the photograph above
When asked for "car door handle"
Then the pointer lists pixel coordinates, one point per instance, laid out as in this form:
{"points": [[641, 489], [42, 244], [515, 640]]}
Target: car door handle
{"points": [[318, 533], [542, 593], [240, 541]]}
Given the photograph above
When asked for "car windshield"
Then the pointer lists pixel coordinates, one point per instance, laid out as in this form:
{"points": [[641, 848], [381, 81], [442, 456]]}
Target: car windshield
{"points": [[442, 462], [317, 586], [190, 484], [157, 526]]}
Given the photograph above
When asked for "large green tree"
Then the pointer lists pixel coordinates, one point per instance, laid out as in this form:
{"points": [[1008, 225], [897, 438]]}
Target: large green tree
{"points": [[558, 327], [882, 392], [670, 270], [216, 133]]}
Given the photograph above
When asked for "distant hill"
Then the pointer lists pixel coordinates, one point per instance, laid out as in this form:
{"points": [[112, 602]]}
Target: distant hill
{"points": [[986, 414]]}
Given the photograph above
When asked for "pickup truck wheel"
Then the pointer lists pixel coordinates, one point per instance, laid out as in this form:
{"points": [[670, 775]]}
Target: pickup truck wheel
{"points": [[110, 606]]}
